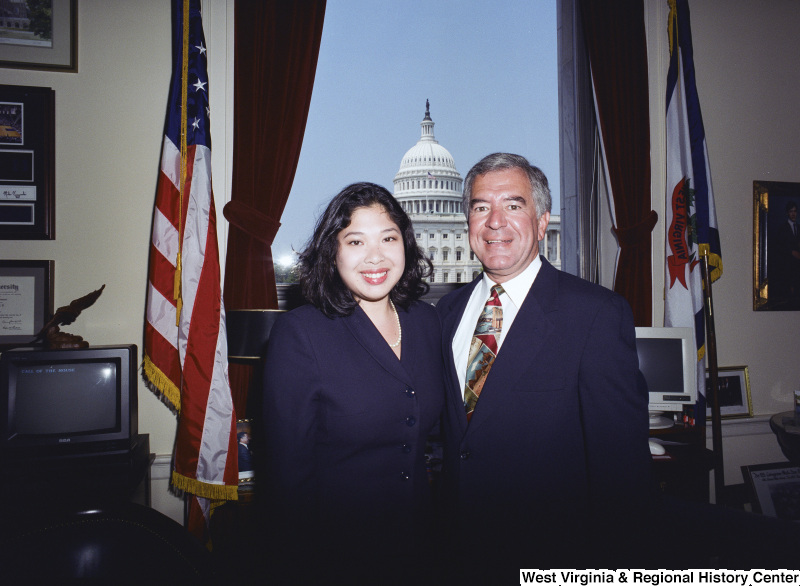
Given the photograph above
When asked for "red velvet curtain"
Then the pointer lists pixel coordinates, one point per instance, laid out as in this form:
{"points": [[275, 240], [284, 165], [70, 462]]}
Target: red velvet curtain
{"points": [[615, 38], [276, 47]]}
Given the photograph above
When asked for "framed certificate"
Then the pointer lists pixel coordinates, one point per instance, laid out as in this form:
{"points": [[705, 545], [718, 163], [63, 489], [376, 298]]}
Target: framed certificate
{"points": [[26, 299], [775, 489]]}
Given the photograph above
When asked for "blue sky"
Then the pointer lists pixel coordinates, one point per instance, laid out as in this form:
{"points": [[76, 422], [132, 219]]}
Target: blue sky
{"points": [[488, 69]]}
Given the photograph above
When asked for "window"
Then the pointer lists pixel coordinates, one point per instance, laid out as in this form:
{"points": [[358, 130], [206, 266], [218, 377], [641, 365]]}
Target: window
{"points": [[458, 255], [517, 41], [444, 277], [579, 215], [445, 254], [445, 236]]}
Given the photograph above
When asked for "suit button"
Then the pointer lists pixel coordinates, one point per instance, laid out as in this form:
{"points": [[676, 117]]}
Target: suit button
{"points": [[410, 421], [406, 448], [465, 455], [404, 476], [410, 393]]}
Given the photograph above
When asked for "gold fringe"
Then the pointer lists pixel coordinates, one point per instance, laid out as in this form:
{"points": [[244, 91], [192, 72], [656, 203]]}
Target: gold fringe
{"points": [[161, 384], [204, 489]]}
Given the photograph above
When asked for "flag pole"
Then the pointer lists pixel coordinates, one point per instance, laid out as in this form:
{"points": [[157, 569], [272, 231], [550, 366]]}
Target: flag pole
{"points": [[713, 379]]}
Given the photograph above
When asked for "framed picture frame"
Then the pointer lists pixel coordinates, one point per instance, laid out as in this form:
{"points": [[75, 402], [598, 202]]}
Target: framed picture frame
{"points": [[34, 40], [27, 163], [776, 246], [734, 392], [244, 440], [774, 489], [26, 299]]}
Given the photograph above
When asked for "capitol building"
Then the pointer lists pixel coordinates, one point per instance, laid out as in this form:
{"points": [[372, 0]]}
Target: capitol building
{"points": [[429, 188]]}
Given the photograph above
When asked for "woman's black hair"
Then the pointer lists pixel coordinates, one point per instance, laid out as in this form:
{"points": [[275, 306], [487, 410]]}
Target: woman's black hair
{"points": [[319, 279]]}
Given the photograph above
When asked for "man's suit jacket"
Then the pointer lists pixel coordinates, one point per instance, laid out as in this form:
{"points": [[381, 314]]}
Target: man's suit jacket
{"points": [[558, 440], [346, 425]]}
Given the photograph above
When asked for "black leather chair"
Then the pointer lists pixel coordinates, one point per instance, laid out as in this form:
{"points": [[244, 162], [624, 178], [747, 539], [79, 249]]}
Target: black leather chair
{"points": [[124, 543]]}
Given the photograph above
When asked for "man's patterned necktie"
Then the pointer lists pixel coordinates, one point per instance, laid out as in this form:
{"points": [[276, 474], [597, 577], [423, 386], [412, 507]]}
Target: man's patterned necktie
{"points": [[483, 349]]}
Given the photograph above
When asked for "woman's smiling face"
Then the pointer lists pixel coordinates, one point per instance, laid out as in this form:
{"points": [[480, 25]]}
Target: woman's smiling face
{"points": [[371, 257]]}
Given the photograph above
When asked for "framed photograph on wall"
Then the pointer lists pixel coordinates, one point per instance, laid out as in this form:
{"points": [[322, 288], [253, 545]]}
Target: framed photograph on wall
{"points": [[776, 246], [26, 299], [27, 163], [244, 439], [33, 37], [734, 392], [774, 489]]}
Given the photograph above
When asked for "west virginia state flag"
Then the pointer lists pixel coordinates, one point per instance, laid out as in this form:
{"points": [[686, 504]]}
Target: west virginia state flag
{"points": [[186, 348], [691, 217]]}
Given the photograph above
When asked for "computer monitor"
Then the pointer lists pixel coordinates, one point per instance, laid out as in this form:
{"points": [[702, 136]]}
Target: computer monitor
{"points": [[668, 361]]}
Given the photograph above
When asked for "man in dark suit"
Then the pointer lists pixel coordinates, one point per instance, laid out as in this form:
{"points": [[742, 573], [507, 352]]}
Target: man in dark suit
{"points": [[245, 456], [787, 276], [551, 468]]}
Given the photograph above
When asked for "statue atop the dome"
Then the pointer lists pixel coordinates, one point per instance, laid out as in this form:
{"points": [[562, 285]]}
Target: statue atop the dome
{"points": [[427, 110]]}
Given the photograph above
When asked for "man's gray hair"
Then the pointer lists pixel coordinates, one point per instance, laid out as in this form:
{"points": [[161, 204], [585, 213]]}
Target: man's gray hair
{"points": [[540, 189]]}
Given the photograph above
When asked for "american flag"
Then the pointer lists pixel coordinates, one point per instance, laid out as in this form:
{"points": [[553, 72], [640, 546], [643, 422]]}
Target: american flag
{"points": [[185, 348], [691, 216]]}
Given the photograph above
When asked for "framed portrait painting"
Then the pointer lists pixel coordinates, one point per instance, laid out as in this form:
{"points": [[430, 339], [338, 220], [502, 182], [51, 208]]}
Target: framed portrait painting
{"points": [[776, 246]]}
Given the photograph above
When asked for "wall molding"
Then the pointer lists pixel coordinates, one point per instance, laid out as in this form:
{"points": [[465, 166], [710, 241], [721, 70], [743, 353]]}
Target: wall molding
{"points": [[161, 468], [747, 426]]}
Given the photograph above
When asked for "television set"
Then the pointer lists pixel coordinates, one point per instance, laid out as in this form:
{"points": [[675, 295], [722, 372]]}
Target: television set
{"points": [[668, 361], [68, 402]]}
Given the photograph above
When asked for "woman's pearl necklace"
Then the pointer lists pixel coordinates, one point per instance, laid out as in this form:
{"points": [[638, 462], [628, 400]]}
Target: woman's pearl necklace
{"points": [[399, 329]]}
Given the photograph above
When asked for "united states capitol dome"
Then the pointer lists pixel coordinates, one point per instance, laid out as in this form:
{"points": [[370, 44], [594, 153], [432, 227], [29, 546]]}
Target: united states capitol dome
{"points": [[429, 188], [427, 166]]}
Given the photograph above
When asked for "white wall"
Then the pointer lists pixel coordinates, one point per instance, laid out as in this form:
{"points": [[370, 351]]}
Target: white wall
{"points": [[748, 80], [109, 123]]}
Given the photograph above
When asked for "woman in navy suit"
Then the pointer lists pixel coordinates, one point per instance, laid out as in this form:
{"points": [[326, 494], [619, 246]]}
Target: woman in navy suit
{"points": [[353, 389]]}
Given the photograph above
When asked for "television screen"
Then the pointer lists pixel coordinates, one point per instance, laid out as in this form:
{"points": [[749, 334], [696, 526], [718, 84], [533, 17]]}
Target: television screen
{"points": [[70, 401], [46, 391]]}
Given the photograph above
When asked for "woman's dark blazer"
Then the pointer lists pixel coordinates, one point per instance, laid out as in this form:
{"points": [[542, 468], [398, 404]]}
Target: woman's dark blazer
{"points": [[346, 425]]}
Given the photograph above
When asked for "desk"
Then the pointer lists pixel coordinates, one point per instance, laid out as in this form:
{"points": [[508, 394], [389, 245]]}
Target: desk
{"points": [[788, 434], [683, 471], [93, 480]]}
